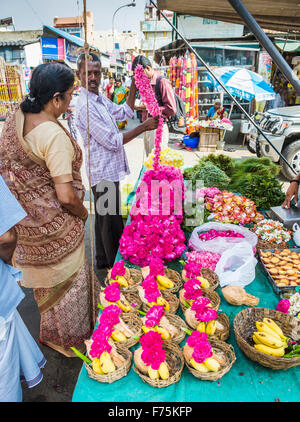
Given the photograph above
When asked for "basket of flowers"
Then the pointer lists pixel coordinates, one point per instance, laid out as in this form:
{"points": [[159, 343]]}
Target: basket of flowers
{"points": [[128, 278]]}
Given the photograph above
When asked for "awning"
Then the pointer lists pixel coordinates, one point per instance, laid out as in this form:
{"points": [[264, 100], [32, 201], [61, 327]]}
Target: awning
{"points": [[289, 45], [280, 15]]}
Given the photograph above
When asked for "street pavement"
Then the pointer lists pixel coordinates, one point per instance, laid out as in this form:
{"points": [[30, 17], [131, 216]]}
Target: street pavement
{"points": [[60, 373]]}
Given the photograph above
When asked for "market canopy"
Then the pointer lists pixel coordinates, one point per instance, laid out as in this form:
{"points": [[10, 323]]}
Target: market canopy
{"points": [[280, 15]]}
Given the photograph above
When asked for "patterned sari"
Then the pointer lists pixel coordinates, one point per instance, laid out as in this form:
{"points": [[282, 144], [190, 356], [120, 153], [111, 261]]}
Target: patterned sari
{"points": [[50, 248], [119, 97]]}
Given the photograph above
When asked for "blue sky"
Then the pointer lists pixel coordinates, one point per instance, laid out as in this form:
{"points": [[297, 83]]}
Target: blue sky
{"points": [[32, 14]]}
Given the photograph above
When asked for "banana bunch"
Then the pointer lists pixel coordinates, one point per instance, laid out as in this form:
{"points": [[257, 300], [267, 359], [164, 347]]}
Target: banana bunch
{"points": [[164, 282], [269, 338], [160, 301], [123, 304], [119, 279], [162, 372], [210, 364], [209, 327], [118, 336], [165, 335], [104, 364], [204, 282]]}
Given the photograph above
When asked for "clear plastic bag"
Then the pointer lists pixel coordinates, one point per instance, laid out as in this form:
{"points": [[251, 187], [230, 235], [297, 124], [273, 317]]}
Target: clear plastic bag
{"points": [[220, 244], [236, 266]]}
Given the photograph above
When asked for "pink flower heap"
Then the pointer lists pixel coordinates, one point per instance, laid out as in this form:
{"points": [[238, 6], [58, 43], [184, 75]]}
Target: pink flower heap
{"points": [[154, 315], [153, 354], [118, 269], [148, 98], [198, 260], [202, 348], [203, 311], [108, 319], [212, 234], [231, 208]]}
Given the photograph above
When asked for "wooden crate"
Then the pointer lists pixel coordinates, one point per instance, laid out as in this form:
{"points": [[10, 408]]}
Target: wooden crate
{"points": [[208, 139]]}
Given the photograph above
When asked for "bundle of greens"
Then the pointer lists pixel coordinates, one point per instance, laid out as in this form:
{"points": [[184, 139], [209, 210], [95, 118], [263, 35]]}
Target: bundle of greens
{"points": [[256, 178], [222, 161], [210, 174]]}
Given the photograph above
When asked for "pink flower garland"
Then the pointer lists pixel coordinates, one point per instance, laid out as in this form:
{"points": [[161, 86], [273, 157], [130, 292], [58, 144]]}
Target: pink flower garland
{"points": [[118, 269], [148, 98], [203, 312], [156, 267], [112, 292], [151, 289], [192, 289], [154, 315], [153, 354]]}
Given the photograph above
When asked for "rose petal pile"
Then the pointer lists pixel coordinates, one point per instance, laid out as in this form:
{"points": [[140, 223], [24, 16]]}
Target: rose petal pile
{"points": [[195, 261], [153, 354], [230, 208], [212, 234], [202, 347]]}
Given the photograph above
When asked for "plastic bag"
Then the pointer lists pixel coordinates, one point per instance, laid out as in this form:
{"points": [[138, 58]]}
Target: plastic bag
{"points": [[220, 244], [236, 266]]}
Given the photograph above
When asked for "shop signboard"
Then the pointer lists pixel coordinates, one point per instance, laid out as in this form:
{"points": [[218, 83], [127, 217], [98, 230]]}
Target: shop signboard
{"points": [[53, 48], [265, 66], [71, 51], [194, 27]]}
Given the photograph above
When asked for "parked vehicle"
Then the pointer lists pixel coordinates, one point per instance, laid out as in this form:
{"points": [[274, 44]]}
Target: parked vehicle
{"points": [[282, 127]]}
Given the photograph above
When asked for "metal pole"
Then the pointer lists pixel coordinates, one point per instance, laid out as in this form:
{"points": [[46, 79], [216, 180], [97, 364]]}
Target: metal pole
{"points": [[266, 43], [226, 90]]}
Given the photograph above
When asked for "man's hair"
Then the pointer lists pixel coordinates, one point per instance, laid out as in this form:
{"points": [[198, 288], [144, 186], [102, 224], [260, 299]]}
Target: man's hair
{"points": [[92, 57], [142, 60]]}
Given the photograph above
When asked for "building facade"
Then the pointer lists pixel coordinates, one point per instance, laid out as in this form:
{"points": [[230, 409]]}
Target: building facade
{"points": [[75, 26]]}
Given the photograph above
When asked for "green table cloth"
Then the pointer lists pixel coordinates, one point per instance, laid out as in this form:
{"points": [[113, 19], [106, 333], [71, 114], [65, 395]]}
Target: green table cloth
{"points": [[247, 381]]}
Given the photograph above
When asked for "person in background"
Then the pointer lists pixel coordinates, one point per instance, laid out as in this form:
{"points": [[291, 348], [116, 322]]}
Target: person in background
{"points": [[108, 164], [166, 102], [278, 101], [20, 356], [41, 163], [292, 194], [119, 97], [215, 112], [104, 83], [109, 90]]}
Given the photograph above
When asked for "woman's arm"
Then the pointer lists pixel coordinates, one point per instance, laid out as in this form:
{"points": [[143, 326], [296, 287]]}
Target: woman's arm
{"points": [[69, 200]]}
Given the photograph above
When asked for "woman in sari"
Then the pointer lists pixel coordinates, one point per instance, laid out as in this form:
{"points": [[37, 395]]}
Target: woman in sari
{"points": [[41, 162], [119, 97]]}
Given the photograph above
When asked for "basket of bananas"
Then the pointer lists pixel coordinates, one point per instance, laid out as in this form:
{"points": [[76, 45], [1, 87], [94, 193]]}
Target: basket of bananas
{"points": [[110, 366], [207, 277], [208, 321], [150, 295], [169, 326], [157, 362], [192, 292], [127, 301], [268, 337], [128, 278], [170, 280], [207, 359]]}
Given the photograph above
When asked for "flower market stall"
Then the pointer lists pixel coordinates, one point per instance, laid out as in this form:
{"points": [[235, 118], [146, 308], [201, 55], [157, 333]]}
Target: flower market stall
{"points": [[193, 316]]}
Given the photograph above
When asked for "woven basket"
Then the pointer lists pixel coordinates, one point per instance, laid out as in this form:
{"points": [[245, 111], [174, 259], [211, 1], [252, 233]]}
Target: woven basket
{"points": [[132, 297], [207, 273], [116, 375], [134, 322], [170, 297], [229, 356], [210, 294], [222, 335], [244, 326], [175, 360], [136, 276], [171, 274], [265, 244], [178, 323]]}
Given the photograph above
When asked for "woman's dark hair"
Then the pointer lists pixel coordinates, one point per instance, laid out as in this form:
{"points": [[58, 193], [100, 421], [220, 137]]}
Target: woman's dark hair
{"points": [[46, 80], [144, 61]]}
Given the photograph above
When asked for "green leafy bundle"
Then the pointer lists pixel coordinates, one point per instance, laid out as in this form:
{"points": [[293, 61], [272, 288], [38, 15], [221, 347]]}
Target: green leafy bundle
{"points": [[256, 178], [222, 161], [209, 173]]}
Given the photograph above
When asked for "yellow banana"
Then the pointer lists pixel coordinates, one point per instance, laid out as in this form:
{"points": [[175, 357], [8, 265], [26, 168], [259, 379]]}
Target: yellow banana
{"points": [[153, 373], [268, 340], [270, 350], [272, 324], [204, 282], [165, 281], [165, 335], [124, 305], [264, 328], [162, 301], [122, 280], [198, 366], [160, 287], [163, 371], [118, 336], [106, 363], [211, 327], [212, 364], [96, 366], [201, 327], [147, 329], [256, 341]]}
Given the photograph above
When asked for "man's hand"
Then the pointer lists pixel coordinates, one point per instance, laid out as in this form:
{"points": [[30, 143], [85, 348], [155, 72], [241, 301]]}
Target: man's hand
{"points": [[291, 193], [133, 85], [151, 123]]}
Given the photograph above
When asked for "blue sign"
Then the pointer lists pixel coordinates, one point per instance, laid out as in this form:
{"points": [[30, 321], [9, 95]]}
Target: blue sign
{"points": [[53, 48]]}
